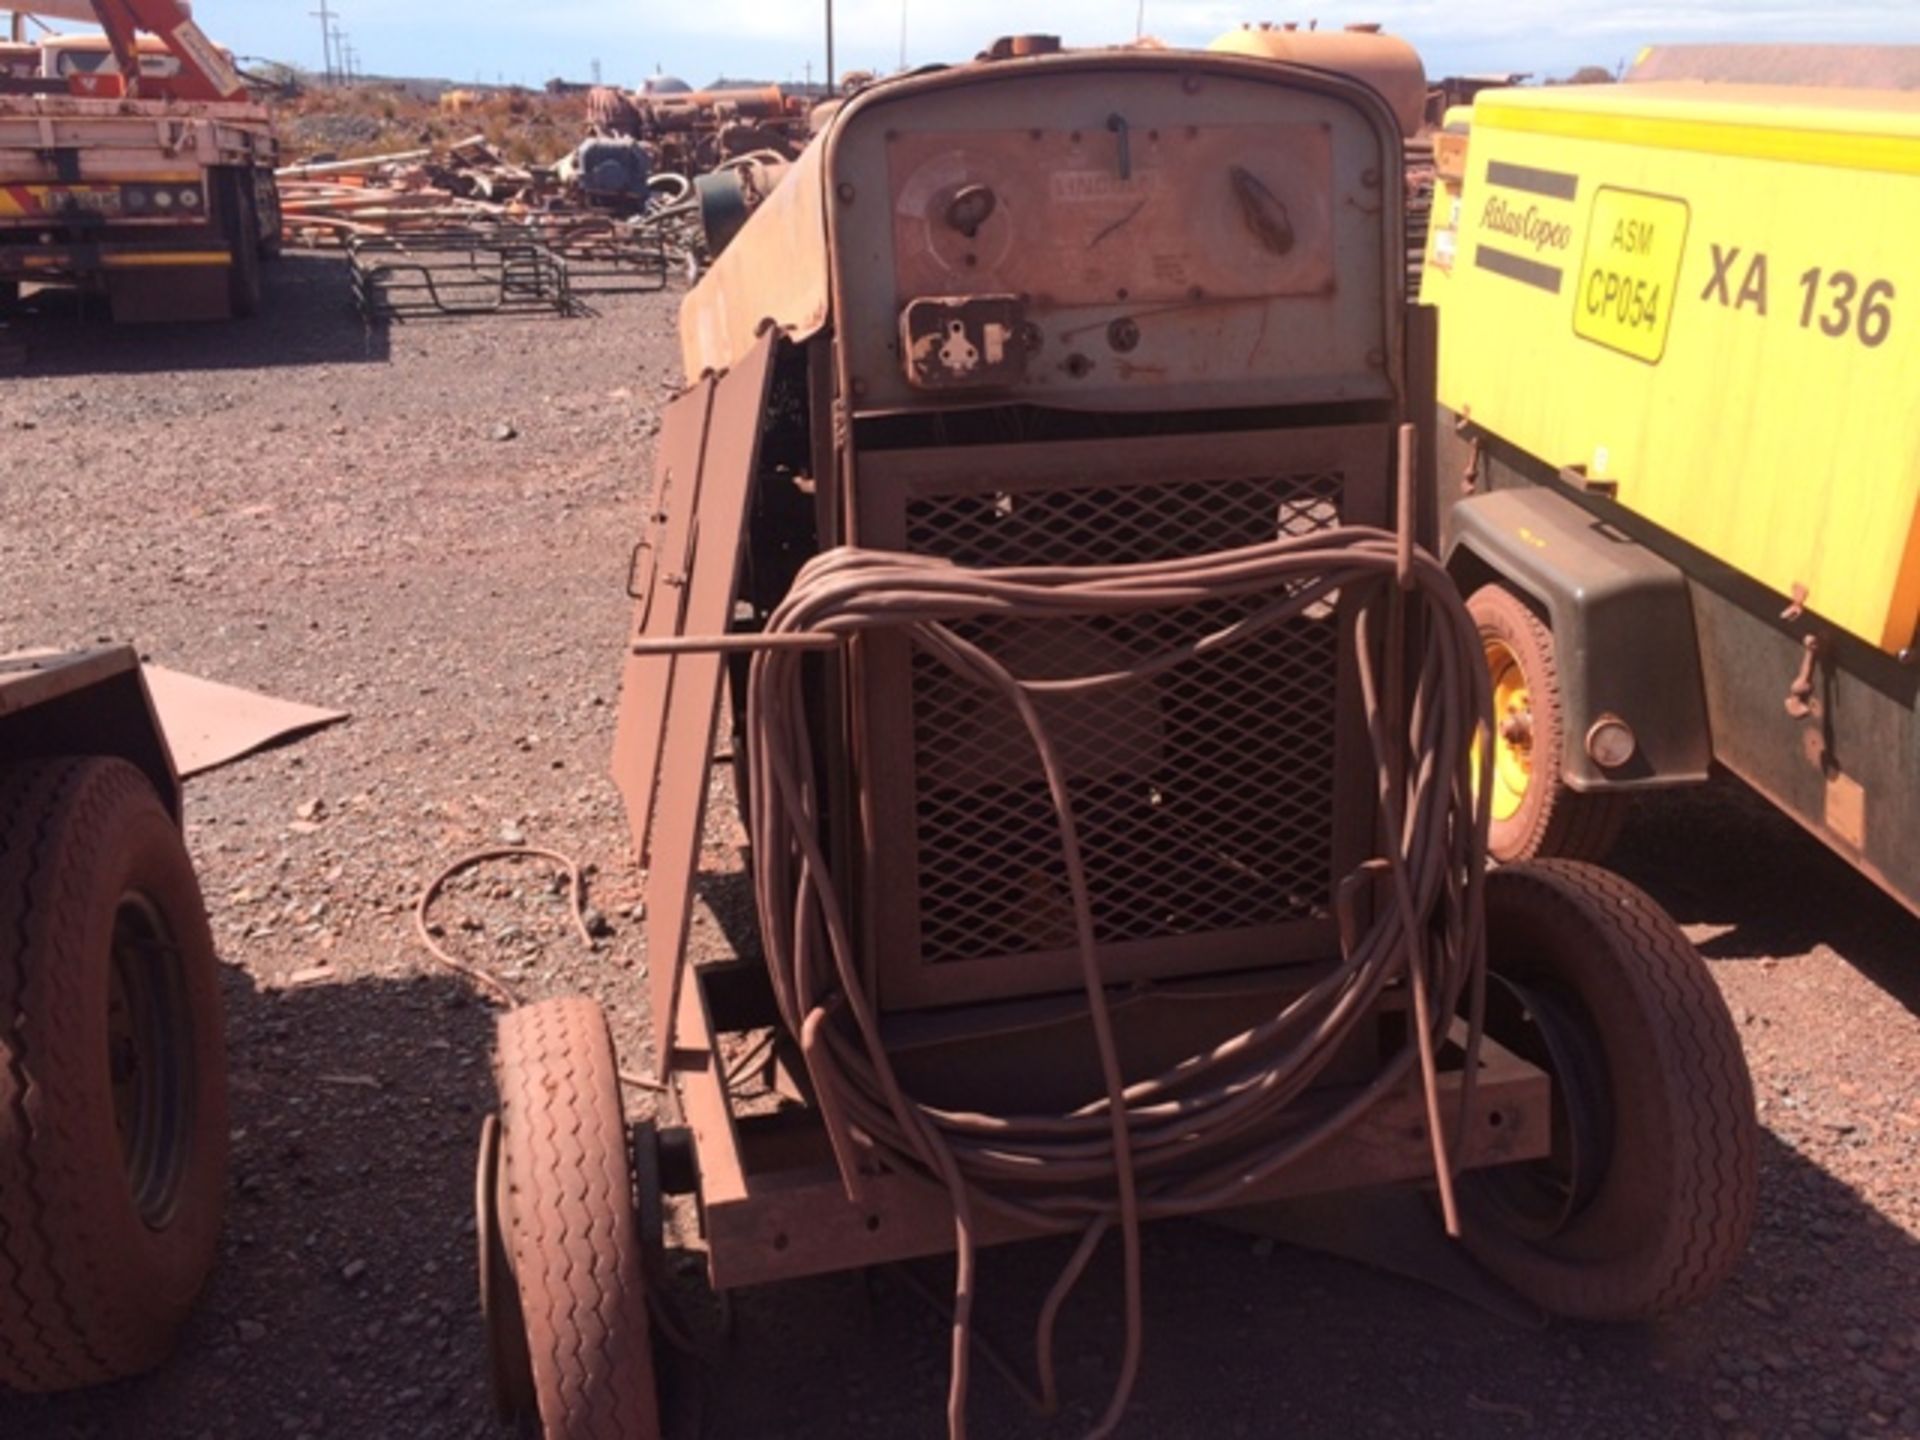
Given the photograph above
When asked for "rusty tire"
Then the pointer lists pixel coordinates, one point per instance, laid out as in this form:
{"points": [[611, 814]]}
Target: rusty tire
{"points": [[1647, 1203], [1547, 818], [509, 1362], [567, 1219], [113, 1104], [239, 216]]}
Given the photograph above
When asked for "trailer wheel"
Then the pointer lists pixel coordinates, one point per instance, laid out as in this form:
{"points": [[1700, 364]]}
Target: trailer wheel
{"points": [[1535, 811], [113, 1105], [563, 1215], [1646, 1202], [240, 223]]}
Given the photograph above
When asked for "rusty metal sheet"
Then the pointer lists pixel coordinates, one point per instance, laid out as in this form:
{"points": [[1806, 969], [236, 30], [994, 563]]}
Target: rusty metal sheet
{"points": [[34, 677], [647, 680], [701, 604], [208, 724], [781, 276], [1083, 216]]}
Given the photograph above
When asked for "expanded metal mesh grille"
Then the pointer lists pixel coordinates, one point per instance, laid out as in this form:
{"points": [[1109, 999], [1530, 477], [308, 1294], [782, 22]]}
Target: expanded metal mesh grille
{"points": [[1203, 797]]}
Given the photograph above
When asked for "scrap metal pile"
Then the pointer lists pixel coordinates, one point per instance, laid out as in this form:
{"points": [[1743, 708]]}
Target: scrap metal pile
{"points": [[463, 231], [658, 188], [693, 132]]}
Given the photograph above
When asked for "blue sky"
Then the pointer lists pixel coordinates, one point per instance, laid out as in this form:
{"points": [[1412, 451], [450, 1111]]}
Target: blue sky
{"points": [[530, 41]]}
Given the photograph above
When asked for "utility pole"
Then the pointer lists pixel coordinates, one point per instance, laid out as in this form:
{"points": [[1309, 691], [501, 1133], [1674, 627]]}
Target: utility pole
{"points": [[596, 72], [339, 55], [325, 16], [832, 85]]}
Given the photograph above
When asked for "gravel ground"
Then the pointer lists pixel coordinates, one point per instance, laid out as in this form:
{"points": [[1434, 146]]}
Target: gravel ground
{"points": [[297, 505]]}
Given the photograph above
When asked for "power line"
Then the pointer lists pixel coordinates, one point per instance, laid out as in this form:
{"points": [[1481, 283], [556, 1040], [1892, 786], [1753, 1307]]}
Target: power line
{"points": [[325, 16]]}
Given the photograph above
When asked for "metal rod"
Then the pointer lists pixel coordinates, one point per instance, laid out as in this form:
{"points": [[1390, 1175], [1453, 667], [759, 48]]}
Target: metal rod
{"points": [[1403, 520], [732, 644]]}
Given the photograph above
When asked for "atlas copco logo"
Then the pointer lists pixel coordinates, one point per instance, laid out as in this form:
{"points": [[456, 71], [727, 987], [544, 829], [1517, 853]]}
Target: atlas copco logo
{"points": [[1528, 225]]}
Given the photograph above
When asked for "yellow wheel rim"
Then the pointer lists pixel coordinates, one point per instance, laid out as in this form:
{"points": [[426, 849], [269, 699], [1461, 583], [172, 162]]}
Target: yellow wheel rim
{"points": [[1513, 732]]}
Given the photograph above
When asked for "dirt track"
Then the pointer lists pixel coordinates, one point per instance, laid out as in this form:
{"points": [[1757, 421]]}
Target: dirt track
{"points": [[300, 506]]}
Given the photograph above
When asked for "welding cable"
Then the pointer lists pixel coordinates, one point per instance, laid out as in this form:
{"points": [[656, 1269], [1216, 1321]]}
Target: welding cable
{"points": [[1427, 770], [483, 978], [1204, 1133]]}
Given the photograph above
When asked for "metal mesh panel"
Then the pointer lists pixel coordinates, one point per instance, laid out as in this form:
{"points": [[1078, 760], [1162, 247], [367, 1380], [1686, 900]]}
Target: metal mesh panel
{"points": [[1204, 797]]}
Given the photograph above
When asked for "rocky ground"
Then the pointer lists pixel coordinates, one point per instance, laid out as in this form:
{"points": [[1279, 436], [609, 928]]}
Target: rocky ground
{"points": [[429, 527]]}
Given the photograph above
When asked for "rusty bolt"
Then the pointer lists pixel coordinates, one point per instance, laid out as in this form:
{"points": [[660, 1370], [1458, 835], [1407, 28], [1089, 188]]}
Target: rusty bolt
{"points": [[1078, 366], [845, 192], [1123, 334]]}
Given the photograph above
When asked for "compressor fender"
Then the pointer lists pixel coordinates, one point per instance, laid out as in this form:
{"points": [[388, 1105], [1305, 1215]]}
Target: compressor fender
{"points": [[1622, 627]]}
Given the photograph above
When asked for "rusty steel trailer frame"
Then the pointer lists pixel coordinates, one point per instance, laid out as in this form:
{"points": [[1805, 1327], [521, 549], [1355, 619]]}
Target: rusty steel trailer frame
{"points": [[773, 1206]]}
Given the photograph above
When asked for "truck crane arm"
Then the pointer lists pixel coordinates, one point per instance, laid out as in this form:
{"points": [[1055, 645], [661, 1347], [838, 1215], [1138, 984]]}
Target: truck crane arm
{"points": [[205, 72]]}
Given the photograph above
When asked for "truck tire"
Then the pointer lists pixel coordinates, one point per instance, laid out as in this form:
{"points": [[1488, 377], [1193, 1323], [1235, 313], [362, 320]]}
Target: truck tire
{"points": [[272, 220], [565, 1215], [113, 1105], [1647, 1201], [240, 225], [1535, 812]]}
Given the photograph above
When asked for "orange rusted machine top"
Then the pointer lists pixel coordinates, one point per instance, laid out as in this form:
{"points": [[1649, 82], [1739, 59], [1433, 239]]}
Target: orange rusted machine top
{"points": [[1386, 62], [1168, 252]]}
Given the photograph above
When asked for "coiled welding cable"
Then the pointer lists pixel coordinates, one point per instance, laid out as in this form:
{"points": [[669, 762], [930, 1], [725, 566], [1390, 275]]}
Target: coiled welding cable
{"points": [[1202, 1134]]}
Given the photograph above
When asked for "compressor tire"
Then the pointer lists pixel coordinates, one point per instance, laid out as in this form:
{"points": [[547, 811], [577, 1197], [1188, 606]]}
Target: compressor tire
{"points": [[1666, 1204], [1535, 812], [567, 1216], [113, 1106]]}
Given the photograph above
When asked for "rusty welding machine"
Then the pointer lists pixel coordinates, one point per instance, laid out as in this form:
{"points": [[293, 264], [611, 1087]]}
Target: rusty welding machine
{"points": [[1047, 500]]}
